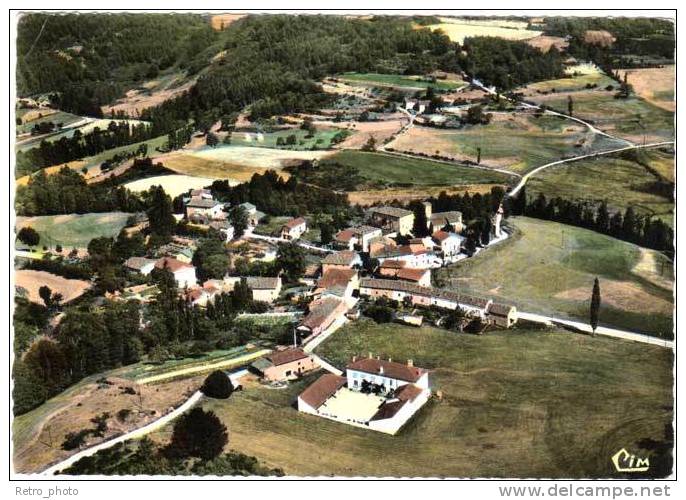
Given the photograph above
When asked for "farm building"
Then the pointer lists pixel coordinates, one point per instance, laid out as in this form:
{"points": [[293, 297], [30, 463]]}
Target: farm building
{"points": [[397, 269], [440, 220], [254, 215], [357, 238], [294, 229], [340, 282], [450, 244], [375, 394], [224, 227], [413, 255], [323, 314], [184, 274], [423, 296], [345, 259], [203, 208], [284, 365], [140, 265], [501, 314], [264, 289], [392, 219]]}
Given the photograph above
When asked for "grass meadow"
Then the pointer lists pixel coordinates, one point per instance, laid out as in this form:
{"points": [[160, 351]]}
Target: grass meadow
{"points": [[549, 268]]}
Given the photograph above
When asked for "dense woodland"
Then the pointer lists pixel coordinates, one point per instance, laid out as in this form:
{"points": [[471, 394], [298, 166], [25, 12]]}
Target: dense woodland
{"points": [[88, 60]]}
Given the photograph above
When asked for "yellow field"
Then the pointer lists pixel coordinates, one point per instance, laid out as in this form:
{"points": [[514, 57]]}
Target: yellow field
{"points": [[31, 281], [173, 185], [459, 29], [655, 85], [189, 164]]}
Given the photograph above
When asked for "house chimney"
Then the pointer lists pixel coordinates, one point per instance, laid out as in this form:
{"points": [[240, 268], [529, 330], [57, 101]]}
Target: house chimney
{"points": [[381, 370], [354, 359], [370, 355], [390, 360], [378, 358], [410, 362]]}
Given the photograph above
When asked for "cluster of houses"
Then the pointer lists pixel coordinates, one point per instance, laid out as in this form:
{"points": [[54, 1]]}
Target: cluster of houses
{"points": [[373, 393]]}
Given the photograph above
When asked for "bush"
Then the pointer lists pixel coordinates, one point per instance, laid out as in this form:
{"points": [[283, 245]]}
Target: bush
{"points": [[217, 385]]}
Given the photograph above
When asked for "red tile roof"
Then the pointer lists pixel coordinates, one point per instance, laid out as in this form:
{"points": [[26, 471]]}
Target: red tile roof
{"points": [[286, 356], [411, 274], [171, 263], [391, 369], [345, 236], [440, 235], [295, 223], [325, 387], [336, 277]]}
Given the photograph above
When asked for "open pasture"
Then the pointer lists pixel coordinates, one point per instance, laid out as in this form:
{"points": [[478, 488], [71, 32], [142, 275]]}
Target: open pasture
{"points": [[396, 171], [513, 141], [511, 401], [620, 181], [549, 268], [74, 230], [632, 118]]}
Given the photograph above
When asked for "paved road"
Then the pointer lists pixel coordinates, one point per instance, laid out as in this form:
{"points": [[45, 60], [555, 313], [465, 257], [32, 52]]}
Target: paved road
{"points": [[273, 239], [601, 330], [78, 124], [135, 434], [523, 180]]}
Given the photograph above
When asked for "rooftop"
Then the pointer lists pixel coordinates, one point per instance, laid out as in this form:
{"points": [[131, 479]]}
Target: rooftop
{"points": [[404, 286], [343, 258], [450, 217], [138, 263], [320, 311], [336, 277], [172, 264], [322, 389], [391, 369], [295, 223], [391, 212], [286, 356], [262, 283], [198, 202]]}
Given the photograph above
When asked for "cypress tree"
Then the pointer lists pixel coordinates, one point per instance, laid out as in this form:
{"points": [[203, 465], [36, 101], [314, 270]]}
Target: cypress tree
{"points": [[595, 305]]}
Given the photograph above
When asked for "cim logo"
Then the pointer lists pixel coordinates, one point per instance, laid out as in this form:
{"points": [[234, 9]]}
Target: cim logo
{"points": [[626, 462]]}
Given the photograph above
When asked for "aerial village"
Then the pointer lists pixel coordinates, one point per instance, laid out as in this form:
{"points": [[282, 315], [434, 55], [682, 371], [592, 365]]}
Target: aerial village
{"points": [[377, 261]]}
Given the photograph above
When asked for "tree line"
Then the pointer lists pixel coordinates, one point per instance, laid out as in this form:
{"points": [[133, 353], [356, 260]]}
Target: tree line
{"points": [[644, 230]]}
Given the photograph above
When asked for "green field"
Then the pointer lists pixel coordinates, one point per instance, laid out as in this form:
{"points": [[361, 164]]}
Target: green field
{"points": [[572, 83], [515, 404], [514, 141], [74, 230], [631, 118], [549, 268], [402, 81], [60, 117], [619, 181], [391, 170], [320, 140]]}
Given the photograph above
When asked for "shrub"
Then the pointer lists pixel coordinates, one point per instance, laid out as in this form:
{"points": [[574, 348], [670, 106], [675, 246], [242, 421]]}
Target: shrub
{"points": [[217, 385]]}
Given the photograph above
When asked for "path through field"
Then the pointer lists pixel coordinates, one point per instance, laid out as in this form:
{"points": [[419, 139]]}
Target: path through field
{"points": [[601, 330], [135, 434], [525, 178]]}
